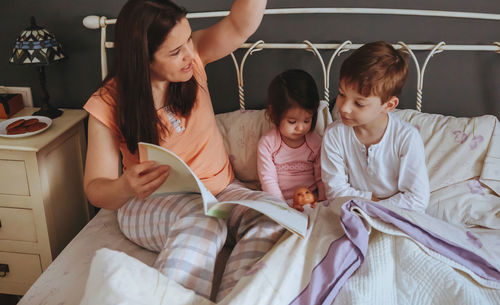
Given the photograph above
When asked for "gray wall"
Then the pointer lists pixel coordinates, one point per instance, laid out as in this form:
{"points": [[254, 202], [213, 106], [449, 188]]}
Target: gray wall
{"points": [[456, 83]]}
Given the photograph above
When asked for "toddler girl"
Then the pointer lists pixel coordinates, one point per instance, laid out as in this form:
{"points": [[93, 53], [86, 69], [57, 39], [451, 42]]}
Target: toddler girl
{"points": [[288, 155]]}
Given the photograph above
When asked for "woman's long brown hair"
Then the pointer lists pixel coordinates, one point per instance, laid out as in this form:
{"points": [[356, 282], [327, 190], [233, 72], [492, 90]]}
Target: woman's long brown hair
{"points": [[141, 27]]}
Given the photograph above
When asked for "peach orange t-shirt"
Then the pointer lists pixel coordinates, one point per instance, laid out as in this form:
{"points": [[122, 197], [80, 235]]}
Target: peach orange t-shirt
{"points": [[195, 139]]}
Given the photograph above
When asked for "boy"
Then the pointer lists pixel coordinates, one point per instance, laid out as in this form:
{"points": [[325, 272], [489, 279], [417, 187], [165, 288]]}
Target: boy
{"points": [[370, 152]]}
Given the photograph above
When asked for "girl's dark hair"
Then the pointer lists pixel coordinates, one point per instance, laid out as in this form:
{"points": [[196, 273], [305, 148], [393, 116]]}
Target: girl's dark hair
{"points": [[289, 89], [141, 27]]}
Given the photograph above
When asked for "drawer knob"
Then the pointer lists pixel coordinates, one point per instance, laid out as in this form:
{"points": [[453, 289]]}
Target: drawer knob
{"points": [[4, 269]]}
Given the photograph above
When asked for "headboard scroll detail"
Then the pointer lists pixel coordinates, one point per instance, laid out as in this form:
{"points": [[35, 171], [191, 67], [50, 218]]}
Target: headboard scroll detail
{"points": [[96, 22]]}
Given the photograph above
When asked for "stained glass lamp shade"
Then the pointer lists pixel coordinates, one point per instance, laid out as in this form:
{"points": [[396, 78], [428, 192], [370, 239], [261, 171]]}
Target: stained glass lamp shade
{"points": [[38, 47]]}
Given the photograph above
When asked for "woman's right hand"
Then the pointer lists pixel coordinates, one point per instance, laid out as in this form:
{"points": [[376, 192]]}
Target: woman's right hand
{"points": [[144, 178]]}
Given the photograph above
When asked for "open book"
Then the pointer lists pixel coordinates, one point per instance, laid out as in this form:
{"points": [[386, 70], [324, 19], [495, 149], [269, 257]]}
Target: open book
{"points": [[181, 179]]}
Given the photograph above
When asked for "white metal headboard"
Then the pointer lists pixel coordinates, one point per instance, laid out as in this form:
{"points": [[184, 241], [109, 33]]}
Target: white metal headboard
{"points": [[96, 22]]}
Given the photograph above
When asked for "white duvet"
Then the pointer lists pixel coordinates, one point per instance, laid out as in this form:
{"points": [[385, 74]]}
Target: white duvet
{"points": [[398, 271], [395, 270]]}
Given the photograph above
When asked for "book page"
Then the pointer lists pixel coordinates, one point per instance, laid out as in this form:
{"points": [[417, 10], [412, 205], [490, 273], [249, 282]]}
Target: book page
{"points": [[291, 219], [181, 178]]}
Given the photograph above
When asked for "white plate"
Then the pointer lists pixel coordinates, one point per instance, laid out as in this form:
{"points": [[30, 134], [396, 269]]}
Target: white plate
{"points": [[4, 124]]}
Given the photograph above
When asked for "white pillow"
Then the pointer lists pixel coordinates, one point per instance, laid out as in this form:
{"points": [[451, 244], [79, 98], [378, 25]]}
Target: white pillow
{"points": [[456, 148], [116, 278], [241, 131]]}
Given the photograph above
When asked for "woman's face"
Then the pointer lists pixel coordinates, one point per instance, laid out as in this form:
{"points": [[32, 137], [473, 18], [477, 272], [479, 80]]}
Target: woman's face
{"points": [[173, 61]]}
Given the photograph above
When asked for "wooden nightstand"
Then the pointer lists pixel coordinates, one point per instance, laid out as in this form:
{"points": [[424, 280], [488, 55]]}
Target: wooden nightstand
{"points": [[42, 202]]}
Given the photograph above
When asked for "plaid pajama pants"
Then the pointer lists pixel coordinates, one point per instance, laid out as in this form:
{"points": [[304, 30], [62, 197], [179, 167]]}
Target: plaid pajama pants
{"points": [[188, 241]]}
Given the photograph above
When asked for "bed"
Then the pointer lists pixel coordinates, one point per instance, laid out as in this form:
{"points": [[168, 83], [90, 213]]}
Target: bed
{"points": [[360, 254]]}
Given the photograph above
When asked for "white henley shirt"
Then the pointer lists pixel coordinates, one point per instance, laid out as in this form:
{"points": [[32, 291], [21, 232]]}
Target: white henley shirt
{"points": [[393, 169]]}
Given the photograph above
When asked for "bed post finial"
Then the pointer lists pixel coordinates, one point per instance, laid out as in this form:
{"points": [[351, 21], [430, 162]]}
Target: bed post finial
{"points": [[91, 22]]}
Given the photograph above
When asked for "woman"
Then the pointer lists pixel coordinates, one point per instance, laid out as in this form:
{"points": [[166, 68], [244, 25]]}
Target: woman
{"points": [[157, 92]]}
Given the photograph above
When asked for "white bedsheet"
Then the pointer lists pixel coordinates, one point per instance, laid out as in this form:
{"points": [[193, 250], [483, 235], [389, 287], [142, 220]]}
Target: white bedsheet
{"points": [[63, 283], [396, 270]]}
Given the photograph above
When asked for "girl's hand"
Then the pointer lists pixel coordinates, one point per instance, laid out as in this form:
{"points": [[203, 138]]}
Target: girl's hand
{"points": [[375, 198], [144, 178]]}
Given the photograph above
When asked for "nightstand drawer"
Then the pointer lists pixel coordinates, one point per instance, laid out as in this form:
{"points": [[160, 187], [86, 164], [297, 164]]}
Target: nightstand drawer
{"points": [[24, 269], [13, 180], [17, 224]]}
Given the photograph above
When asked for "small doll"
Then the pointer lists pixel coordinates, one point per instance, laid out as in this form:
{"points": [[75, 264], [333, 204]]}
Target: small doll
{"points": [[303, 196]]}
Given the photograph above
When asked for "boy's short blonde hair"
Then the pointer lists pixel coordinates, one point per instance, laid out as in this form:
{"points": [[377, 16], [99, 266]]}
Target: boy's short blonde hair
{"points": [[375, 69]]}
